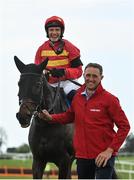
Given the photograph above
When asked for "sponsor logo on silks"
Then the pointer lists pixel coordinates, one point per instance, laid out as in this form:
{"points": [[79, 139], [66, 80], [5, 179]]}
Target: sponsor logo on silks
{"points": [[95, 110]]}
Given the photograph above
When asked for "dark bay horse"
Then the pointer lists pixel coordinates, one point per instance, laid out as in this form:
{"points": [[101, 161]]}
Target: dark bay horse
{"points": [[48, 143]]}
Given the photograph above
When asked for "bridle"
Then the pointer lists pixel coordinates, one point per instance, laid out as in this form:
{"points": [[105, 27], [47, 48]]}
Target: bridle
{"points": [[38, 104], [26, 99]]}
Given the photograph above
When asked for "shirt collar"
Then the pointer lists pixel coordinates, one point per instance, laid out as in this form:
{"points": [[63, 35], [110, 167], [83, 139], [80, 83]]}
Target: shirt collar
{"points": [[84, 93]]}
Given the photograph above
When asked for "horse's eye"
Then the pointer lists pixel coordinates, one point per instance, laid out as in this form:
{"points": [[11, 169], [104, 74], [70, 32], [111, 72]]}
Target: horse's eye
{"points": [[36, 88]]}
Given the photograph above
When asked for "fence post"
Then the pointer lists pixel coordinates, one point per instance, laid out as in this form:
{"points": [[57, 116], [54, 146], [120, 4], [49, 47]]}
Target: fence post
{"points": [[5, 168], [21, 170]]}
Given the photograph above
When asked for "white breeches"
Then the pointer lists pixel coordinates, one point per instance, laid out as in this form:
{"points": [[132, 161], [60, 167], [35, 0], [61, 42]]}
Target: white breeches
{"points": [[67, 85]]}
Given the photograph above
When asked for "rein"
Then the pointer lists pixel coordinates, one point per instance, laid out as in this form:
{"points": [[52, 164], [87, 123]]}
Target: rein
{"points": [[78, 84], [75, 82], [55, 99]]}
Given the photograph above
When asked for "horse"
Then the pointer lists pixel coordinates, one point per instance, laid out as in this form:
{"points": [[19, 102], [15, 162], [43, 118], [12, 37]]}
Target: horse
{"points": [[48, 142]]}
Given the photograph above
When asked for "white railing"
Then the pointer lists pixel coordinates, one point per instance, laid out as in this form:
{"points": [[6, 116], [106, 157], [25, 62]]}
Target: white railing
{"points": [[125, 167]]}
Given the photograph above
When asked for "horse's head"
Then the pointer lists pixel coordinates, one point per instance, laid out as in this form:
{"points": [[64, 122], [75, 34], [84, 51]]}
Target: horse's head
{"points": [[30, 90]]}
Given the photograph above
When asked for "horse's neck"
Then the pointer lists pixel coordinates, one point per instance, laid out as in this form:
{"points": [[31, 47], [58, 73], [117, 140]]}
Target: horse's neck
{"points": [[48, 94], [54, 100]]}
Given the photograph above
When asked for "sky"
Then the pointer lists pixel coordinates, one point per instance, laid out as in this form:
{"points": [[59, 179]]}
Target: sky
{"points": [[103, 30]]}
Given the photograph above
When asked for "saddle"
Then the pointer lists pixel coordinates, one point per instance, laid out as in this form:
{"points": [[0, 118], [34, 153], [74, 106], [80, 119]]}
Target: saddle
{"points": [[61, 101]]}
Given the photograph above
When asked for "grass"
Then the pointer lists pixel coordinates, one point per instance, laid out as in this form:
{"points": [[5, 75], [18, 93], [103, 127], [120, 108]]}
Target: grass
{"points": [[15, 177], [11, 163], [125, 158], [28, 164], [126, 167]]}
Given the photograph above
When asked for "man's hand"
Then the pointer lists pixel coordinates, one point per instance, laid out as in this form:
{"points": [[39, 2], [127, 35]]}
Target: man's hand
{"points": [[57, 72], [103, 157], [44, 114]]}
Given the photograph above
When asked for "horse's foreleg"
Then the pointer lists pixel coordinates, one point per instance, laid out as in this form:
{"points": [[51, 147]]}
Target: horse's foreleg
{"points": [[38, 168], [65, 168]]}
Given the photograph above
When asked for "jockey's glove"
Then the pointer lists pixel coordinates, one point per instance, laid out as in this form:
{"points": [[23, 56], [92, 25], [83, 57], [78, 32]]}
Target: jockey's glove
{"points": [[57, 72]]}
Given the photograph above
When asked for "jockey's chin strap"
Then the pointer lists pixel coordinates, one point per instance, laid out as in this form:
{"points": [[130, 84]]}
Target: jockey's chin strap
{"points": [[59, 50]]}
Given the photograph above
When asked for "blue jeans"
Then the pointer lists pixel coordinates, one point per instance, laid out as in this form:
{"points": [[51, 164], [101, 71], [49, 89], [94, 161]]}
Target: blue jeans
{"points": [[87, 169]]}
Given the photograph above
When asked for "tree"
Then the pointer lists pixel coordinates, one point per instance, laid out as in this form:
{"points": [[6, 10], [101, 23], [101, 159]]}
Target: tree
{"points": [[24, 148], [3, 138], [129, 145]]}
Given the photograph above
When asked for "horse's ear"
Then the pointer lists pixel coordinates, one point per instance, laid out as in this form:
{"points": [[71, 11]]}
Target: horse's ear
{"points": [[19, 64], [43, 65]]}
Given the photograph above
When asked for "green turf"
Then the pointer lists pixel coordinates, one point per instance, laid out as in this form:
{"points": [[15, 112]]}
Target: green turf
{"points": [[15, 163], [28, 164]]}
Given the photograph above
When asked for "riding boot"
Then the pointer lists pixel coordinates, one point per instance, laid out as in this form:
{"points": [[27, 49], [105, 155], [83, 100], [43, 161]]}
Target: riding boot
{"points": [[70, 96]]}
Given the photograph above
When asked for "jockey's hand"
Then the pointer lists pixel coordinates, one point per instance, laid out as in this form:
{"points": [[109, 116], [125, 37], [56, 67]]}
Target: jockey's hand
{"points": [[57, 72], [103, 157], [44, 114]]}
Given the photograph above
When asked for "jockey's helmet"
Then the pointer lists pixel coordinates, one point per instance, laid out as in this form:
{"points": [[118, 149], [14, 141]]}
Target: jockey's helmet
{"points": [[55, 21]]}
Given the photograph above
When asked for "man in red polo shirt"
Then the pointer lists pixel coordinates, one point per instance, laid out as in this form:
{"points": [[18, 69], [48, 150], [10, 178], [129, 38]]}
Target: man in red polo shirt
{"points": [[94, 112], [64, 57]]}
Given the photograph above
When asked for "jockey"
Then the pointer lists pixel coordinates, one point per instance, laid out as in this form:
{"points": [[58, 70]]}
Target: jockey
{"points": [[64, 58]]}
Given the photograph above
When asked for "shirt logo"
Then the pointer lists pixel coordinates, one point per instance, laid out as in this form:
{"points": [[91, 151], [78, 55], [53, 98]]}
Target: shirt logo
{"points": [[95, 110]]}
